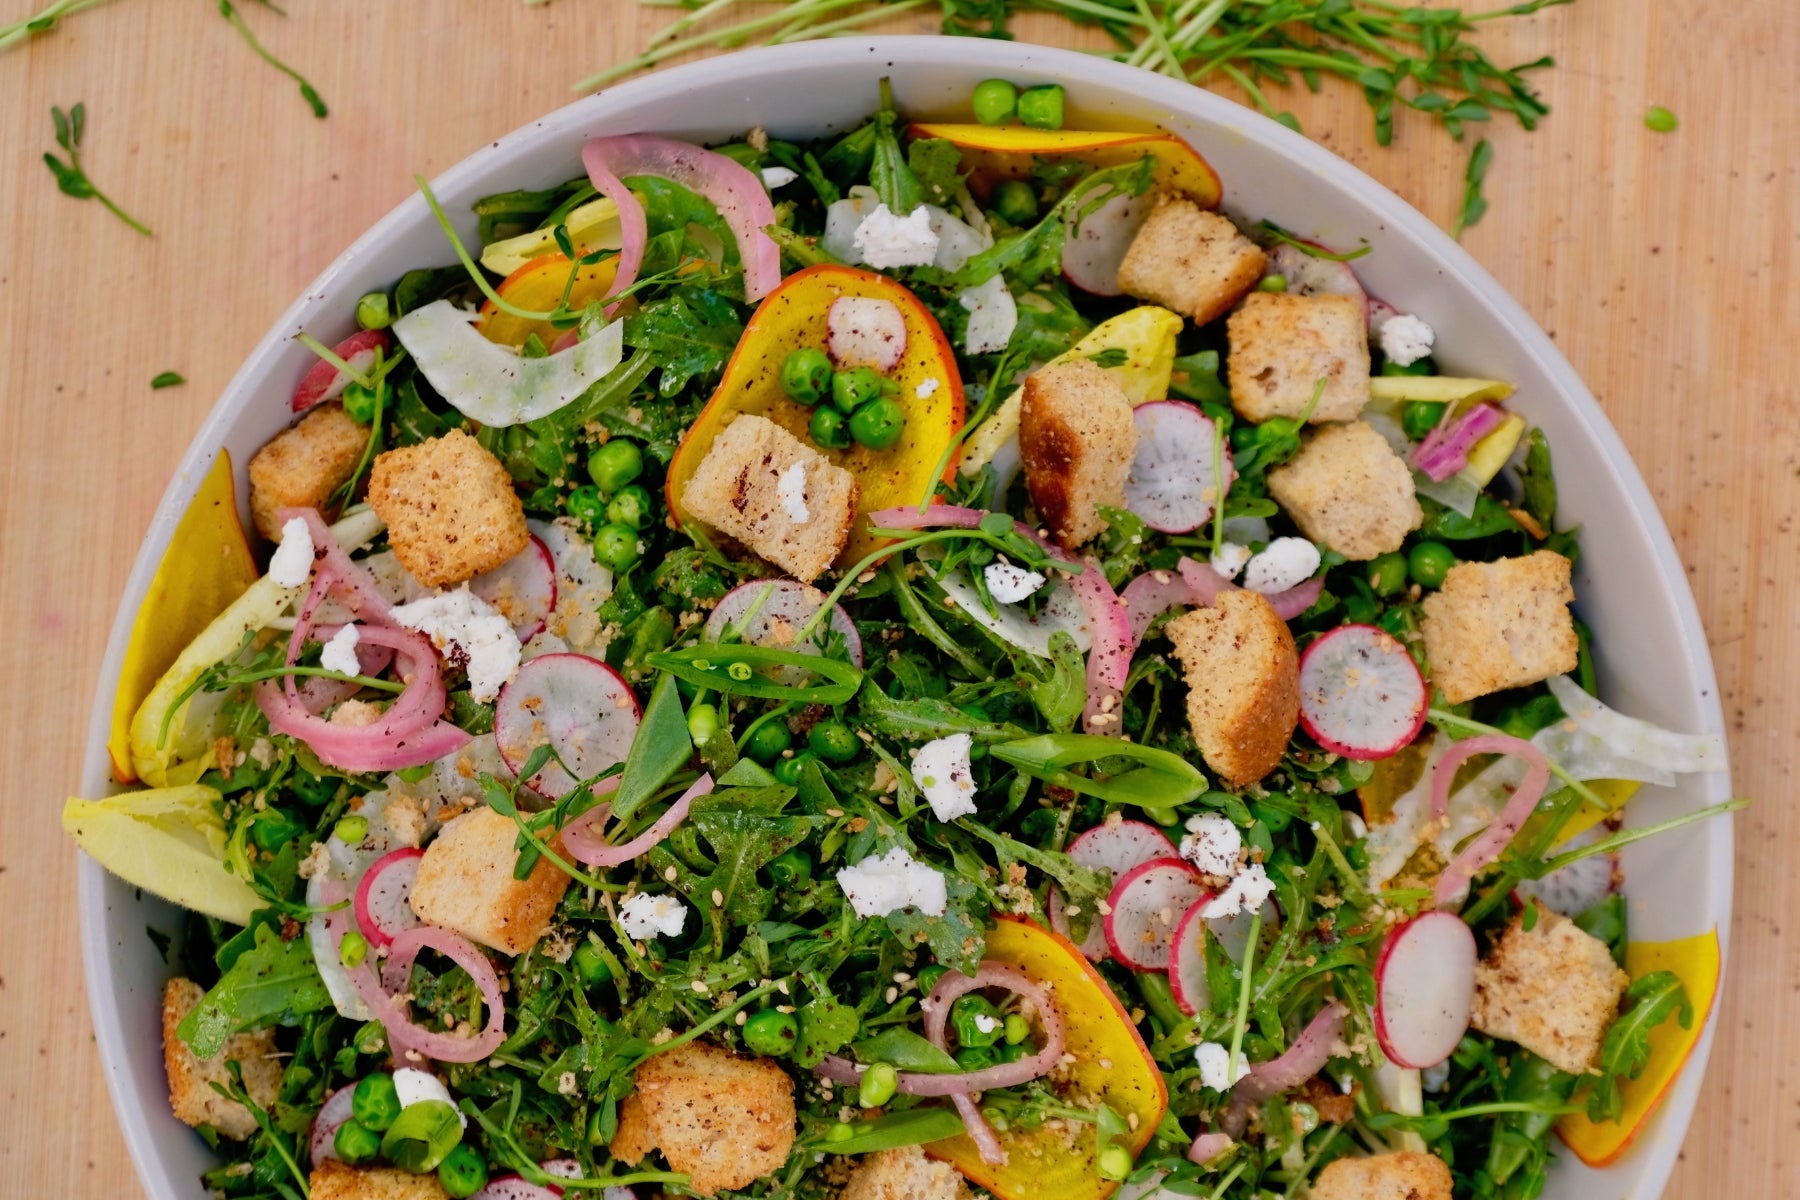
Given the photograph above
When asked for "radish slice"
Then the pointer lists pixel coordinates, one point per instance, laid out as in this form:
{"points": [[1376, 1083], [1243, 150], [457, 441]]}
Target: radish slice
{"points": [[325, 382], [1310, 276], [582, 585], [1172, 485], [1580, 885], [577, 705], [1146, 904], [1424, 989], [777, 610], [562, 1168], [1233, 932], [1093, 946], [1187, 961], [523, 588], [382, 911], [492, 384], [517, 1187], [1093, 250], [322, 1140], [865, 333], [1361, 695], [1115, 848]]}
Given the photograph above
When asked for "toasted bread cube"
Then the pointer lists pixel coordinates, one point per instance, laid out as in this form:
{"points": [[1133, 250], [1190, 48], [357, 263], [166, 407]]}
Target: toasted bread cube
{"points": [[1191, 260], [466, 883], [1282, 345], [334, 1180], [1076, 439], [904, 1174], [450, 508], [1243, 678], [1499, 625], [724, 1120], [301, 467], [1403, 1175], [1349, 490], [191, 1094], [801, 525], [1553, 989]]}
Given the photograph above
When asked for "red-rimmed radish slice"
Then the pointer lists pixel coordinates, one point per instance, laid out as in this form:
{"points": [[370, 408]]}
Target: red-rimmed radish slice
{"points": [[1094, 944], [1424, 989], [1093, 250], [1233, 932], [1146, 904], [865, 332], [1187, 961], [577, 705], [1380, 313], [516, 1187], [382, 911], [1116, 848], [1308, 275], [1580, 885], [1171, 484], [322, 1140], [562, 1168], [770, 612], [325, 382], [523, 588], [1361, 695]]}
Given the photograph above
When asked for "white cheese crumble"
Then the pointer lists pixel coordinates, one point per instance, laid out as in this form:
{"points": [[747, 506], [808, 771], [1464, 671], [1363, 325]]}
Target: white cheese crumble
{"points": [[293, 559], [1212, 844], [777, 177], [791, 486], [1230, 558], [941, 769], [414, 1086], [340, 652], [886, 240], [993, 315], [1246, 893], [1008, 584], [644, 916], [1214, 1061], [927, 388], [1405, 339], [470, 633], [986, 1023], [1286, 562], [885, 883]]}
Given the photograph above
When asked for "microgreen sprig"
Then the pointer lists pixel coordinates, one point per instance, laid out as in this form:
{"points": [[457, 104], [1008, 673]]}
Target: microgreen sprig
{"points": [[41, 22], [307, 91], [70, 177]]}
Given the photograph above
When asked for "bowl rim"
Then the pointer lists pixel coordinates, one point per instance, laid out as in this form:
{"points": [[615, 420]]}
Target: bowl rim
{"points": [[902, 52]]}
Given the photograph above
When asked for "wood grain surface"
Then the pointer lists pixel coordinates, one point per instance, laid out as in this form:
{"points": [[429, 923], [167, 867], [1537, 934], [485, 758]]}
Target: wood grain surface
{"points": [[1664, 266]]}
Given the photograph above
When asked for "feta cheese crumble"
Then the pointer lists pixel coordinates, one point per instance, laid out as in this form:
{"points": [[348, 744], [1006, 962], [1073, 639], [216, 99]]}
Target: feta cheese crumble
{"points": [[941, 769], [1214, 1061], [644, 916], [1230, 558], [340, 652], [293, 559], [1212, 844], [791, 486], [927, 388], [777, 177], [993, 315], [414, 1086], [470, 633], [986, 1023], [1246, 893], [885, 883], [1405, 339], [886, 240], [1286, 562], [1008, 584]]}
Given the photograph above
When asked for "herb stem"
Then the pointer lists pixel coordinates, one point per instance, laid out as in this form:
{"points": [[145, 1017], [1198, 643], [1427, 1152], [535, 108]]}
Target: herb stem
{"points": [[307, 91], [1242, 1020]]}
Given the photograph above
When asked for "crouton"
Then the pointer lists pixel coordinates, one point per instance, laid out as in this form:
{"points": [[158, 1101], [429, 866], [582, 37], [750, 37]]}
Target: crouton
{"points": [[1191, 260], [1243, 678], [725, 1121], [1077, 441], [465, 883], [1499, 625], [904, 1174], [191, 1094], [1553, 989], [1282, 345], [1403, 1175], [450, 508], [1349, 490], [334, 1180], [301, 467], [786, 502]]}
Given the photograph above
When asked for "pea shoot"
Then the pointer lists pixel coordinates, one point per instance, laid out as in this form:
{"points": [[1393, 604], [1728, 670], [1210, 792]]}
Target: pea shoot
{"points": [[70, 177], [307, 92]]}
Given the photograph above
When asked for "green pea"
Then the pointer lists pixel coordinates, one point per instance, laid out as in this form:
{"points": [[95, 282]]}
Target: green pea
{"points": [[878, 424], [993, 101], [1387, 574], [1429, 562], [787, 771], [1272, 283], [828, 428], [375, 1102], [314, 790], [833, 741], [373, 311], [587, 504], [356, 1143], [617, 547], [879, 1083], [703, 723], [359, 403], [590, 965], [631, 506], [768, 741], [353, 949], [976, 1058], [852, 389], [1016, 1029], [1015, 202], [1420, 417], [839, 1132], [462, 1173], [976, 1021], [615, 464], [928, 978], [1309, 1117], [791, 869], [771, 1033], [1114, 1162], [1658, 119], [806, 375], [351, 829], [1042, 107]]}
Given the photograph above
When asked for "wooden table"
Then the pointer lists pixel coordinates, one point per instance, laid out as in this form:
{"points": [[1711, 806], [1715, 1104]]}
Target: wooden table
{"points": [[1664, 265]]}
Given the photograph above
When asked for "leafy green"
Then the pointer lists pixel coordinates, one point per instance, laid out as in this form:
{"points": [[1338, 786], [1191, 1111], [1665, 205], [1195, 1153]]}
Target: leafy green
{"points": [[936, 165], [1537, 480], [955, 938], [1489, 518], [826, 1026], [906, 1050], [166, 379], [745, 831], [894, 1130], [1650, 1000], [660, 748], [71, 180], [272, 982], [689, 333], [736, 669], [1141, 775]]}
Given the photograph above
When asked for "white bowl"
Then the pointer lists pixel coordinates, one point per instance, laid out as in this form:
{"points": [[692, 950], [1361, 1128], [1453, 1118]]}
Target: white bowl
{"points": [[1630, 585]]}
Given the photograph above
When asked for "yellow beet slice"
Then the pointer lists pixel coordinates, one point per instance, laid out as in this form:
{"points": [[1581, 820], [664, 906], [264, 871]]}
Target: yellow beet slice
{"points": [[538, 287], [170, 842]]}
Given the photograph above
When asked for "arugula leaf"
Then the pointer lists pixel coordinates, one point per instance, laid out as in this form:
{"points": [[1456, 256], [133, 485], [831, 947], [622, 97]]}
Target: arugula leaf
{"points": [[926, 718], [826, 1027], [659, 749], [1060, 693], [936, 164], [1538, 481], [1489, 518], [273, 982], [690, 333], [956, 938], [741, 827], [889, 174], [1649, 1001]]}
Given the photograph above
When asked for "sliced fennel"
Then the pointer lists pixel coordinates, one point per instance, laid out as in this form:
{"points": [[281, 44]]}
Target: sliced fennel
{"points": [[168, 841]]}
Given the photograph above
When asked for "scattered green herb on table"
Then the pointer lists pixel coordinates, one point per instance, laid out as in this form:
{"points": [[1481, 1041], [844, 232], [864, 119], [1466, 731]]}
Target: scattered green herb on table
{"points": [[69, 175]]}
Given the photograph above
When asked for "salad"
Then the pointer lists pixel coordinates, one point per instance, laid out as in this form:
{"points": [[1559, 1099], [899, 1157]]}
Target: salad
{"points": [[927, 663]]}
